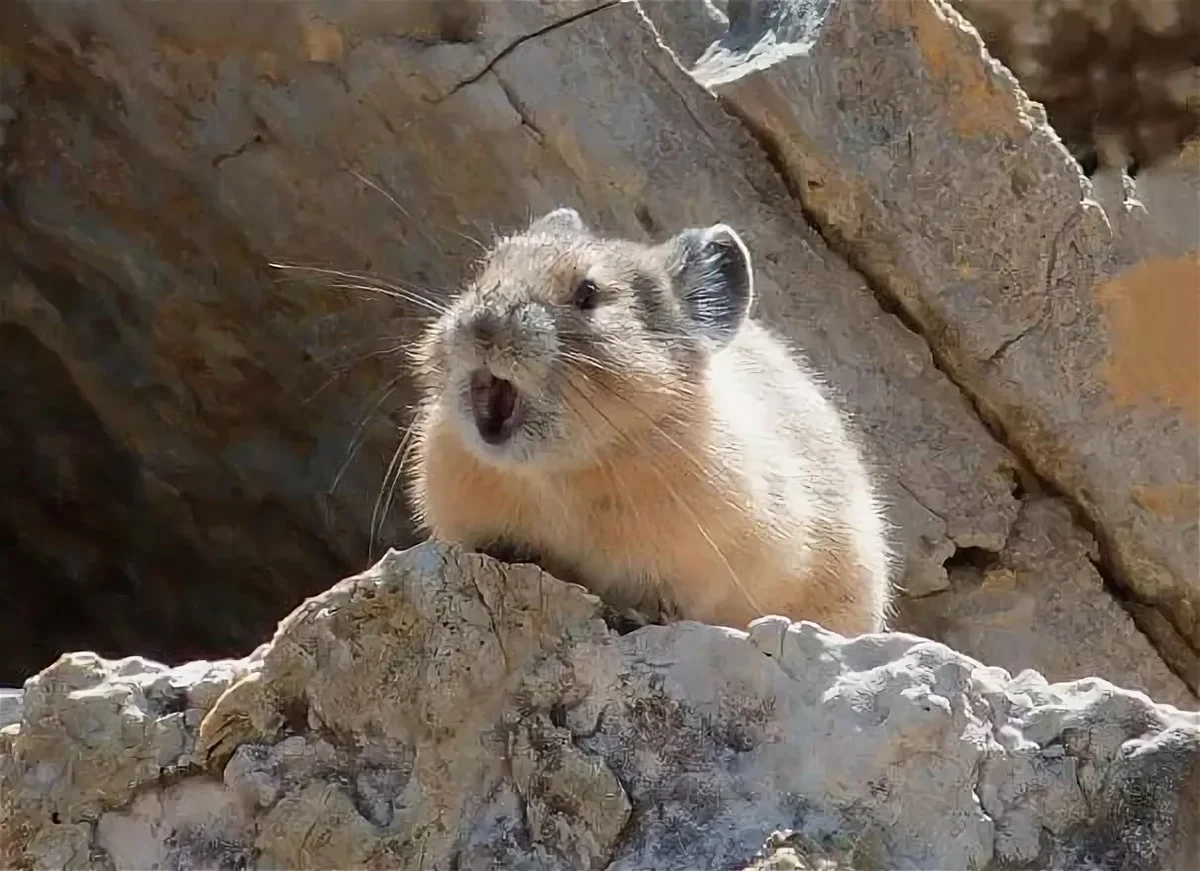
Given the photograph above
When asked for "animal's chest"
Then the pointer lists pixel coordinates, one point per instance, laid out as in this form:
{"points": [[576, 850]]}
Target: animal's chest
{"points": [[618, 528]]}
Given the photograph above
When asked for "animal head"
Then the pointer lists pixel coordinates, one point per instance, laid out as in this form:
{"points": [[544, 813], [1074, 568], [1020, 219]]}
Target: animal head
{"points": [[565, 342]]}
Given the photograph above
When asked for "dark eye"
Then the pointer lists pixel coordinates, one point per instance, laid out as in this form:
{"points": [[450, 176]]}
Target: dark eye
{"points": [[584, 296]]}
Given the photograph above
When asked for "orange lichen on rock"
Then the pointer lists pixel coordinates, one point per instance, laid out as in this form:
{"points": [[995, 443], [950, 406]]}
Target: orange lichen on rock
{"points": [[1153, 314]]}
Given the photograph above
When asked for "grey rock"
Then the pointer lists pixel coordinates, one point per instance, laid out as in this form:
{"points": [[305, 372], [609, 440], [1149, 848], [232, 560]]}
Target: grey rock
{"points": [[922, 160], [161, 157], [1158, 213], [688, 27], [181, 410], [10, 705], [444, 710], [1042, 605]]}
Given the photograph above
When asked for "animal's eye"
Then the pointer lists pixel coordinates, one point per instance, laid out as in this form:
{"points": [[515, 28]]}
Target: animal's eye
{"points": [[584, 296]]}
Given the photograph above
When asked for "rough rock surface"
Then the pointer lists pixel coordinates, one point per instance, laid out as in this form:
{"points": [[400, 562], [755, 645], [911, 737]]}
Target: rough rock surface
{"points": [[442, 710], [191, 370], [926, 165], [174, 403], [689, 27], [1157, 214]]}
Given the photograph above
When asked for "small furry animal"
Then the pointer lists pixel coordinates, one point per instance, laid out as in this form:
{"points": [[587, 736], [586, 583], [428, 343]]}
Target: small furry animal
{"points": [[608, 410]]}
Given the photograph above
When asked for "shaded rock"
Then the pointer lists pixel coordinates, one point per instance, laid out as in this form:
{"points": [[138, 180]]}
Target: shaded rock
{"points": [[444, 710], [10, 706], [927, 166], [688, 27], [187, 427]]}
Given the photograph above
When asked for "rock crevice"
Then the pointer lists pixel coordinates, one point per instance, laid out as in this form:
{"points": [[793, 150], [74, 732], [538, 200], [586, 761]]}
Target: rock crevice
{"points": [[833, 153]]}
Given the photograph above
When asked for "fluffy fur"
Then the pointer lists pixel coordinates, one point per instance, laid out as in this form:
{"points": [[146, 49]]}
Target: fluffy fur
{"points": [[668, 452]]}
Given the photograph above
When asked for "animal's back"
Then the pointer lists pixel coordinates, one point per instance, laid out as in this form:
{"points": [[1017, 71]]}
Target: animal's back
{"points": [[801, 468]]}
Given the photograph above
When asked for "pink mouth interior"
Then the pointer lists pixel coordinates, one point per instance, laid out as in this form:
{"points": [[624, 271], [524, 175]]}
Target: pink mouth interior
{"points": [[494, 406]]}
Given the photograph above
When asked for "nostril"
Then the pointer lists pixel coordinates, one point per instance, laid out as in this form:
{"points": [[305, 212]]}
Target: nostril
{"points": [[494, 405]]}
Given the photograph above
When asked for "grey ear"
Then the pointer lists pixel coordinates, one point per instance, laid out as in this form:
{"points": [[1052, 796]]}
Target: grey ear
{"points": [[713, 279], [560, 221]]}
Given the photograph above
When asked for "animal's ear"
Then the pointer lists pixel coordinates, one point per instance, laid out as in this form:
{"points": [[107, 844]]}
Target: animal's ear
{"points": [[564, 220], [712, 277]]}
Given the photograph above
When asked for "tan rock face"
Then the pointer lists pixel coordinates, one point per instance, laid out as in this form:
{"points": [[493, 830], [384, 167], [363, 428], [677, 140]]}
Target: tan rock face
{"points": [[978, 226], [182, 412], [140, 239], [443, 710]]}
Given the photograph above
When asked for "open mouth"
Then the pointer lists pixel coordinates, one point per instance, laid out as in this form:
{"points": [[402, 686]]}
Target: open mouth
{"points": [[495, 406]]}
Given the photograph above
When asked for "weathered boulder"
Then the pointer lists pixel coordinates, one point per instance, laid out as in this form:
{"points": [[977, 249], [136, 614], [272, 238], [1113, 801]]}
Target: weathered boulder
{"points": [[181, 412], [442, 710], [926, 165], [160, 157]]}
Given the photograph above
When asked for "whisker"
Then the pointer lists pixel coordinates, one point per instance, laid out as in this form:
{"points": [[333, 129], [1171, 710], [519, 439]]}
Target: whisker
{"points": [[399, 293], [391, 199], [376, 521], [358, 437], [363, 280], [653, 467], [699, 526], [680, 386], [350, 346], [407, 444]]}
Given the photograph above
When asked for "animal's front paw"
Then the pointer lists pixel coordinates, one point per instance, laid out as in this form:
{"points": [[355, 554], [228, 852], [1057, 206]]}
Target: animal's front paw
{"points": [[627, 620], [509, 552]]}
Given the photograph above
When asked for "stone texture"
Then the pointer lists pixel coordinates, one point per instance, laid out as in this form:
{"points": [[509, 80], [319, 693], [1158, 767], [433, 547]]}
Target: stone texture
{"points": [[182, 412], [931, 171], [1120, 79], [1041, 604], [1156, 215], [444, 710], [688, 27], [164, 387], [10, 706]]}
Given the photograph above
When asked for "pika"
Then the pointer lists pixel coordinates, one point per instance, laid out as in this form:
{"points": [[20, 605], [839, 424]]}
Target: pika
{"points": [[609, 409]]}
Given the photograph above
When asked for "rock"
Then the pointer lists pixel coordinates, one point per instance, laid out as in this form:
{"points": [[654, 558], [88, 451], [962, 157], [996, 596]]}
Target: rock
{"points": [[1041, 605], [927, 166], [1120, 79], [183, 412], [444, 710], [164, 386], [787, 851], [1156, 215], [688, 27], [10, 706]]}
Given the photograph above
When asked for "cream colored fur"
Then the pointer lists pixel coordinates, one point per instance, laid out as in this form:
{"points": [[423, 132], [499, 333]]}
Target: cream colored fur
{"points": [[715, 480]]}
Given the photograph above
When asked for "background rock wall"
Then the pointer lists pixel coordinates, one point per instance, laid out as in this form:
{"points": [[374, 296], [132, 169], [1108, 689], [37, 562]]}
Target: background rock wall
{"points": [[182, 413]]}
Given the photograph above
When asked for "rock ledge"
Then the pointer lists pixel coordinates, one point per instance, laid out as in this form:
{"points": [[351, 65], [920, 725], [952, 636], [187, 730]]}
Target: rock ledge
{"points": [[443, 710]]}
